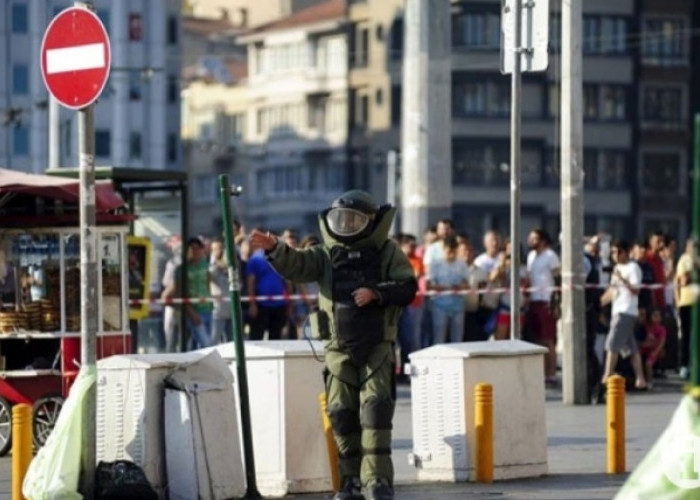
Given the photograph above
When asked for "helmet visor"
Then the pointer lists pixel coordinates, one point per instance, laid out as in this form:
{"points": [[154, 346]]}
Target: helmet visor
{"points": [[346, 221]]}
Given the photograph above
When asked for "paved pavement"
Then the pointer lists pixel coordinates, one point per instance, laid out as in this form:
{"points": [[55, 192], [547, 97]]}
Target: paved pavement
{"points": [[576, 451]]}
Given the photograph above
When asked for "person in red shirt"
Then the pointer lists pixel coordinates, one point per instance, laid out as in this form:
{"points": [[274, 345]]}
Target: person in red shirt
{"points": [[656, 244], [412, 315], [653, 345]]}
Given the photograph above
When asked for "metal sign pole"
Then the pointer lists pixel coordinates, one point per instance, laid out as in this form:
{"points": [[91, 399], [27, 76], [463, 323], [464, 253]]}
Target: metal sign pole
{"points": [[695, 314], [225, 193], [88, 285], [515, 122], [88, 288]]}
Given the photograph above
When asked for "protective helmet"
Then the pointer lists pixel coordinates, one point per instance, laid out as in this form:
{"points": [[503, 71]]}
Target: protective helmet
{"points": [[351, 214]]}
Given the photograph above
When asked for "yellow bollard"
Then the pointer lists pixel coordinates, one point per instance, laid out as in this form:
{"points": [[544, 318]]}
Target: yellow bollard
{"points": [[330, 442], [483, 432], [22, 447], [616, 424]]}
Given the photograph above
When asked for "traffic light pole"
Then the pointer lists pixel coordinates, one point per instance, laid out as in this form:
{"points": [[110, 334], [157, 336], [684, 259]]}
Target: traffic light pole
{"points": [[225, 193]]}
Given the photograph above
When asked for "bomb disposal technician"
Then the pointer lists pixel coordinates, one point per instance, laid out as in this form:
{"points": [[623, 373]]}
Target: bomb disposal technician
{"points": [[364, 280]]}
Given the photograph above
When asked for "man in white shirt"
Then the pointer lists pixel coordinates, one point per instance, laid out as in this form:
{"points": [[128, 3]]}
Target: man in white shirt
{"points": [[435, 252], [487, 262], [624, 293], [543, 267]]}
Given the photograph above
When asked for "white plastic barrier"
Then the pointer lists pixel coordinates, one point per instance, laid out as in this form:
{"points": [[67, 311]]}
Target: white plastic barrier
{"points": [[131, 421], [442, 396], [285, 379]]}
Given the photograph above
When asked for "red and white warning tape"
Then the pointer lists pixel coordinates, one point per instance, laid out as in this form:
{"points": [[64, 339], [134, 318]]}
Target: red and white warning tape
{"points": [[429, 293]]}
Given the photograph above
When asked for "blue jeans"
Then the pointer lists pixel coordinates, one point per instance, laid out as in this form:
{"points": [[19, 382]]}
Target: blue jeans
{"points": [[200, 334], [221, 330], [410, 324], [444, 318]]}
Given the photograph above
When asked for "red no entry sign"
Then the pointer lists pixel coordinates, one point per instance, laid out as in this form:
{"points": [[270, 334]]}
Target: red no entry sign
{"points": [[75, 57]]}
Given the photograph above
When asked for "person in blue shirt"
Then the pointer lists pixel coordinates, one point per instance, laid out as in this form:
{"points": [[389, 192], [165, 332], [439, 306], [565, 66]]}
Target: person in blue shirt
{"points": [[265, 314]]}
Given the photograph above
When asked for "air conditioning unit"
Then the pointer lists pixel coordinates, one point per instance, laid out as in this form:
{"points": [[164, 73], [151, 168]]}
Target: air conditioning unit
{"points": [[443, 378], [130, 409]]}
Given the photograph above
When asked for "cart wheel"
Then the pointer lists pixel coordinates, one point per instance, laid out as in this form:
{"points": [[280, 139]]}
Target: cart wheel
{"points": [[44, 416], [5, 426]]}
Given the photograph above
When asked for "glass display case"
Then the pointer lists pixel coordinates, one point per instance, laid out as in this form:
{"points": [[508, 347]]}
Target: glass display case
{"points": [[40, 281]]}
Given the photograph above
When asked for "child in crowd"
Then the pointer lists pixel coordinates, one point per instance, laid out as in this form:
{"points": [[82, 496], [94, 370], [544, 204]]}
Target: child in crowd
{"points": [[653, 345], [447, 274]]}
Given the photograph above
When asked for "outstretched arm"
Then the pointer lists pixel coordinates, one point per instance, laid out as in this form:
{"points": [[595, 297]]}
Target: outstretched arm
{"points": [[300, 266]]}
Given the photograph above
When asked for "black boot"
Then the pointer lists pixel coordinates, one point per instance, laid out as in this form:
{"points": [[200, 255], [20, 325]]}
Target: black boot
{"points": [[379, 489], [350, 490]]}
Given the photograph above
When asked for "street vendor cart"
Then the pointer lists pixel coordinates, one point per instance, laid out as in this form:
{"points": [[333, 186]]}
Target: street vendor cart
{"points": [[40, 293]]}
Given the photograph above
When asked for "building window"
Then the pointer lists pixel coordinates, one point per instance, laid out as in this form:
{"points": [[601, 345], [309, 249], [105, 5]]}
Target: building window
{"points": [[554, 100], [663, 105], [67, 132], [103, 14], [135, 146], [396, 105], [173, 30], [204, 189], [20, 140], [469, 160], [135, 85], [359, 46], [103, 143], [614, 170], [614, 102], [477, 30], [135, 27], [20, 79], [664, 41], [590, 168], [20, 22], [661, 172], [360, 116], [172, 89], [317, 112], [591, 34], [230, 128], [397, 31], [613, 35], [469, 99], [172, 148], [590, 102]]}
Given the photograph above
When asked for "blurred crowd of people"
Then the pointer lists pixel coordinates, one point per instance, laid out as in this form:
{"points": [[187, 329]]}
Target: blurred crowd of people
{"points": [[638, 294]]}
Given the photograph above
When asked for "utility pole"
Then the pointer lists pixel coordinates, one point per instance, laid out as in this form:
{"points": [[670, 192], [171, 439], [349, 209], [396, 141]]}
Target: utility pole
{"points": [[574, 363], [426, 123], [515, 124]]}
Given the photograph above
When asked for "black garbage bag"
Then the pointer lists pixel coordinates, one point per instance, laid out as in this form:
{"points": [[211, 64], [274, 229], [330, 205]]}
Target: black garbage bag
{"points": [[122, 479]]}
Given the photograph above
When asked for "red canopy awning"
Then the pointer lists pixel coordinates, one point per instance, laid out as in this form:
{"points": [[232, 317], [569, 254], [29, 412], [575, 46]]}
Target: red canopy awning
{"points": [[67, 190]]}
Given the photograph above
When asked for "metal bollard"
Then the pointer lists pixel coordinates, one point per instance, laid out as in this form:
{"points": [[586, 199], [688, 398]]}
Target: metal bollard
{"points": [[22, 447], [330, 442], [483, 432], [616, 424]]}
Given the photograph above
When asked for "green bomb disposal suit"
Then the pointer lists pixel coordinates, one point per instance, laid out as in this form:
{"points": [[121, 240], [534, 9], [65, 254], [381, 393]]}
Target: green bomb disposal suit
{"points": [[359, 359]]}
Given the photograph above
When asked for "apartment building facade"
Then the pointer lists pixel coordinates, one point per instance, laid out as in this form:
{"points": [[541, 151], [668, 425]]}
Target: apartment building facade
{"points": [[137, 115], [297, 131], [665, 122], [635, 150]]}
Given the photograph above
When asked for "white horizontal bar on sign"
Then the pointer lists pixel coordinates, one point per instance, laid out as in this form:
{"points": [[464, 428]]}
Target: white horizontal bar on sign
{"points": [[77, 58]]}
